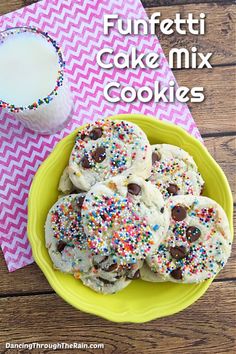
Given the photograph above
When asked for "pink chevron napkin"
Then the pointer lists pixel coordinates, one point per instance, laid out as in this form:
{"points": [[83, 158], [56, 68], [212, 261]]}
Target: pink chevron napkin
{"points": [[77, 25]]}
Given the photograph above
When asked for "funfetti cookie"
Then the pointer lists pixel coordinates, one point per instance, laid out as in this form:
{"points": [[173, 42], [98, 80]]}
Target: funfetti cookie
{"points": [[124, 216], [197, 244], [107, 276], [174, 171], [64, 235], [107, 148]]}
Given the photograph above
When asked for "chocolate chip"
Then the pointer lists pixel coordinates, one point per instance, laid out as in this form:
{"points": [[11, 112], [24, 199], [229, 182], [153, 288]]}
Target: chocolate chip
{"points": [[202, 190], [85, 163], [98, 264], [179, 252], [96, 133], [178, 213], [61, 245], [80, 201], [176, 274], [136, 275], [104, 259], [99, 154], [118, 276], [111, 267], [162, 210], [83, 136], [172, 189], [156, 156], [134, 189], [105, 281], [193, 233]]}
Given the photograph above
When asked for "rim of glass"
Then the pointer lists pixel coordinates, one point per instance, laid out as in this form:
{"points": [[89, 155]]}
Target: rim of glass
{"points": [[60, 78]]}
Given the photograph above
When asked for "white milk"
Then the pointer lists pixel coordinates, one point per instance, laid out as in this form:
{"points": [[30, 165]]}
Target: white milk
{"points": [[33, 85]]}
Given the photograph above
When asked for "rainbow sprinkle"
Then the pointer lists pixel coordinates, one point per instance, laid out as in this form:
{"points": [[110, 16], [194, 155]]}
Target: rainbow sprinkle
{"points": [[66, 223], [114, 227], [120, 142]]}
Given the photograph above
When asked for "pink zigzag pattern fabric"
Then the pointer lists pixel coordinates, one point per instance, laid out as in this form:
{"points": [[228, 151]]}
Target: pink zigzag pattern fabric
{"points": [[77, 25]]}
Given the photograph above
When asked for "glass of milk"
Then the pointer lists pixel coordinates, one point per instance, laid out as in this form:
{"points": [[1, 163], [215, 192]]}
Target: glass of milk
{"points": [[33, 84]]}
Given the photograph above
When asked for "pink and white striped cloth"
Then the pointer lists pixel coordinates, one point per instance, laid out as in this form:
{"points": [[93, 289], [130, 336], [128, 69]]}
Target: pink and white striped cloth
{"points": [[77, 25]]}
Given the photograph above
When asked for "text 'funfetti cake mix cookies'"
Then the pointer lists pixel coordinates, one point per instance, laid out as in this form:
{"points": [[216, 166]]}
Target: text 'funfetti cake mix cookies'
{"points": [[197, 244], [107, 148]]}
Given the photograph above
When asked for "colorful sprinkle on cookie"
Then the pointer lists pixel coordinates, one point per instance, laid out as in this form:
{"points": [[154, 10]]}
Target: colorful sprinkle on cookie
{"points": [[107, 148]]}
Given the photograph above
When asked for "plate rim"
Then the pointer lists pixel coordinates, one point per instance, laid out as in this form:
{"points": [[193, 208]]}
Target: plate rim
{"points": [[125, 316]]}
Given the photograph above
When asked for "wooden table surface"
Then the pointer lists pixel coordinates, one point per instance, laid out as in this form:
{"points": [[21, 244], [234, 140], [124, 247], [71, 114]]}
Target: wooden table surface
{"points": [[30, 310]]}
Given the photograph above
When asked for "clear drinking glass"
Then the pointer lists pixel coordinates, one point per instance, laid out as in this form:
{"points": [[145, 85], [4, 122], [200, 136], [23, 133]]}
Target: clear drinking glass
{"points": [[33, 82]]}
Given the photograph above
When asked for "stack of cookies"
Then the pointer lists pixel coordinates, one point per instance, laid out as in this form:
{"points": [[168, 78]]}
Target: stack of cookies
{"points": [[129, 210]]}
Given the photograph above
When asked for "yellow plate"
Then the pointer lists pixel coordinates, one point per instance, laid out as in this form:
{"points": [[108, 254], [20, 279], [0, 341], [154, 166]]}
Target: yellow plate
{"points": [[140, 301]]}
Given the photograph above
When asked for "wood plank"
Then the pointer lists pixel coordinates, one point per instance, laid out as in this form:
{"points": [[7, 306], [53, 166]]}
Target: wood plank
{"points": [[29, 279], [220, 31], [217, 113], [12, 5], [155, 3], [205, 327], [223, 149]]}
